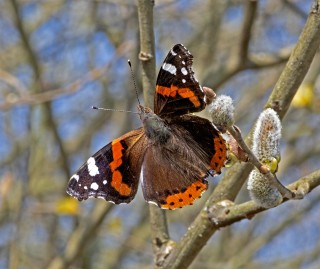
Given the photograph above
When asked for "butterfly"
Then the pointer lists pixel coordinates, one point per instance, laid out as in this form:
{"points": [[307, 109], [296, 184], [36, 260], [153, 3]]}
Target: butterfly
{"points": [[172, 154]]}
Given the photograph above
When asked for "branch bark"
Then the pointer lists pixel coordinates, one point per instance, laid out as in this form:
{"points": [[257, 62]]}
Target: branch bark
{"points": [[224, 216], [159, 230]]}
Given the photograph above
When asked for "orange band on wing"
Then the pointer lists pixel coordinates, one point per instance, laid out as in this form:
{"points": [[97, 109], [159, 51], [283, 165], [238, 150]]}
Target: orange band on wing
{"points": [[220, 156], [116, 181], [116, 154], [165, 91], [187, 197], [183, 92]]}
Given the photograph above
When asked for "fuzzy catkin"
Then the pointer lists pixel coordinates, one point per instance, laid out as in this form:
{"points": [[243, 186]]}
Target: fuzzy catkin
{"points": [[266, 136], [261, 191], [222, 112]]}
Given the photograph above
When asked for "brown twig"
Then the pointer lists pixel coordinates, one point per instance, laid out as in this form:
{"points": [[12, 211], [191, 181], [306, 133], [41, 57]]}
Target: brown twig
{"points": [[295, 8], [298, 64], [147, 49], [225, 216], [255, 61], [12, 81], [236, 133], [244, 59], [250, 14], [246, 253]]}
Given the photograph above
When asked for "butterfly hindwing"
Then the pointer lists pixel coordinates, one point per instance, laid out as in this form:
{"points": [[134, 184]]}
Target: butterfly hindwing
{"points": [[166, 187], [113, 172], [206, 141], [173, 173], [177, 89]]}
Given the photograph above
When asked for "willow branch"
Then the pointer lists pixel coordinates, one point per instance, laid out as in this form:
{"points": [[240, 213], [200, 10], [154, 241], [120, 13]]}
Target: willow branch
{"points": [[147, 49], [245, 255], [158, 222], [298, 64], [225, 216], [235, 132]]}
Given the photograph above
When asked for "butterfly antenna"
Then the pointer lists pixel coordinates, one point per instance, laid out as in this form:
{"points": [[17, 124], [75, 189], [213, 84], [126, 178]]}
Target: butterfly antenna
{"points": [[111, 109], [134, 81]]}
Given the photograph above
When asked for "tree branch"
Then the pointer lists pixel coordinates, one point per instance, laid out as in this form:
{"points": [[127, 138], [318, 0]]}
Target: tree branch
{"points": [[159, 229], [298, 64], [235, 132], [224, 216], [246, 253]]}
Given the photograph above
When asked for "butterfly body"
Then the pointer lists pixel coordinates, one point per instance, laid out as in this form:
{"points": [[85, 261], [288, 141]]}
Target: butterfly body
{"points": [[155, 128], [172, 153]]}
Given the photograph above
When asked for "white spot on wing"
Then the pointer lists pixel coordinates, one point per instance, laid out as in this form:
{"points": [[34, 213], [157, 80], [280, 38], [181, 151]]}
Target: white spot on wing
{"points": [[183, 62], [76, 177], [170, 68], [104, 182], [85, 187], [184, 71], [152, 202], [94, 186], [173, 53], [183, 80], [92, 168], [141, 175]]}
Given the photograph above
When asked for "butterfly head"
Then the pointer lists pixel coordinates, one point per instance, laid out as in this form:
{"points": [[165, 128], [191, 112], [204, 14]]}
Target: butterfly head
{"points": [[156, 129]]}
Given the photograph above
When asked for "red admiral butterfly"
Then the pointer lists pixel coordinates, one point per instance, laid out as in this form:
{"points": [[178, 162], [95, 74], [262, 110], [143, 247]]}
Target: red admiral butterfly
{"points": [[172, 153]]}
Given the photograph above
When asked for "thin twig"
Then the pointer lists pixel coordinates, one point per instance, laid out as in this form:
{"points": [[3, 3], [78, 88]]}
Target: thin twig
{"points": [[235, 132], [255, 61], [245, 255], [298, 64], [224, 216], [250, 14]]}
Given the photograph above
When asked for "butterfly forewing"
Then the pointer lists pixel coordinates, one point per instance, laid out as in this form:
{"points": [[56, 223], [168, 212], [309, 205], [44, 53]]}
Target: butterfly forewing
{"points": [[113, 172], [177, 89]]}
